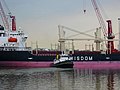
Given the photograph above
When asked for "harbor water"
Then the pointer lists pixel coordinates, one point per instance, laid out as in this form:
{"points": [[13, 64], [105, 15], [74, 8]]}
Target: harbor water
{"points": [[59, 79]]}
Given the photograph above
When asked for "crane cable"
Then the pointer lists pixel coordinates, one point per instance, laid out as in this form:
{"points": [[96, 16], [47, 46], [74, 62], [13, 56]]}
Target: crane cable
{"points": [[105, 16], [6, 7], [103, 11], [84, 6], [83, 32]]}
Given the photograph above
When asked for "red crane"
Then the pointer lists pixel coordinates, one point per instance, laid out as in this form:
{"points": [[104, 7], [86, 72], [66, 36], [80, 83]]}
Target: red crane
{"points": [[13, 23], [110, 37], [108, 34], [5, 20]]}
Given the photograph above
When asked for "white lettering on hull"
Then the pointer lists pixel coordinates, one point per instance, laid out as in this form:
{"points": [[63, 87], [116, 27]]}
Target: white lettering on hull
{"points": [[83, 58]]}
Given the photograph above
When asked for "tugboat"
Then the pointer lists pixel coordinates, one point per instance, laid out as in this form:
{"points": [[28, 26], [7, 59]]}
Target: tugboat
{"points": [[63, 61]]}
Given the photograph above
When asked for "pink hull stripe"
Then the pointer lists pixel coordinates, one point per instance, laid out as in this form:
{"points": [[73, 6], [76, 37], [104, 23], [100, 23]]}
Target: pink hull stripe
{"points": [[98, 65], [81, 65], [24, 64]]}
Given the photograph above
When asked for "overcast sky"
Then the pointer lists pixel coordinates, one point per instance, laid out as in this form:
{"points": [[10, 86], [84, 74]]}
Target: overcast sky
{"points": [[40, 18]]}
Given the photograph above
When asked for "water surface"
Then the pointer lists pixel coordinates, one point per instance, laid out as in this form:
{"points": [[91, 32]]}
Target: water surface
{"points": [[59, 79]]}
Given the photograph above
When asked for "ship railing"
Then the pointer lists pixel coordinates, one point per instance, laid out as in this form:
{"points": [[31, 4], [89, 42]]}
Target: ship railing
{"points": [[15, 48]]}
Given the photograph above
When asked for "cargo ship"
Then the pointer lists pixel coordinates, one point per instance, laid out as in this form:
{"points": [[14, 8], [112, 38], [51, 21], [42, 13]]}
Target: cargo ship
{"points": [[14, 53], [13, 50]]}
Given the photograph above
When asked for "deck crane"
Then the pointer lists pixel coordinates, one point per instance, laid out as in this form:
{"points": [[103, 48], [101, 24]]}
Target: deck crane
{"points": [[108, 34], [62, 37], [5, 20]]}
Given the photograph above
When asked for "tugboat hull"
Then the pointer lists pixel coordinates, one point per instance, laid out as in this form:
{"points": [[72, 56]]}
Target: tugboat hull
{"points": [[65, 64]]}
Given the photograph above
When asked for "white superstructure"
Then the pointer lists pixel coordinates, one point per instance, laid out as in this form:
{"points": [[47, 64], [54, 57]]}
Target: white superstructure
{"points": [[12, 39]]}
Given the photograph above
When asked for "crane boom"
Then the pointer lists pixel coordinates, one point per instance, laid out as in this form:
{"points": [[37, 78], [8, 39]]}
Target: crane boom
{"points": [[100, 19], [70, 29], [4, 18]]}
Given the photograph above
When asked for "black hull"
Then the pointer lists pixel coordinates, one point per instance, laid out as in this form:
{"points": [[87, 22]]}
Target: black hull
{"points": [[96, 57], [65, 64], [24, 59], [27, 56], [24, 56]]}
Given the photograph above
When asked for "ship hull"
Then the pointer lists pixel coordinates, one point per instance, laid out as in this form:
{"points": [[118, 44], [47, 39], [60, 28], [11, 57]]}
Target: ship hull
{"points": [[64, 64], [25, 59], [25, 56]]}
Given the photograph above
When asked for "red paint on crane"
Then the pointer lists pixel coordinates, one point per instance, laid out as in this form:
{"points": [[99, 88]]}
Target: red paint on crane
{"points": [[13, 23]]}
